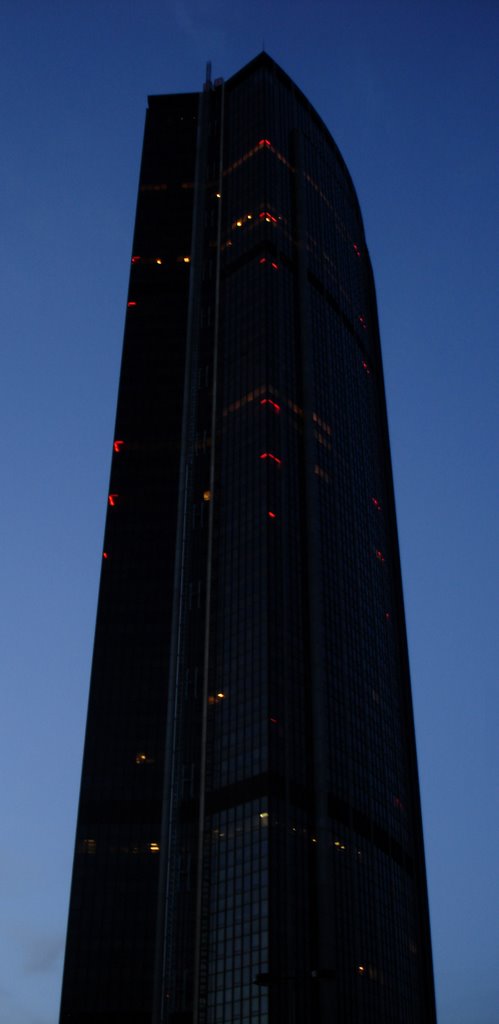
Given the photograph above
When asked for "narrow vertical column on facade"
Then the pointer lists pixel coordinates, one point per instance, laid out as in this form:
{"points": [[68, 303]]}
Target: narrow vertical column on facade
{"points": [[203, 856], [174, 893], [318, 824]]}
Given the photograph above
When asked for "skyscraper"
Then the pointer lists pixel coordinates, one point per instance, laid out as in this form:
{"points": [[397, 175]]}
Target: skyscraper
{"points": [[249, 843]]}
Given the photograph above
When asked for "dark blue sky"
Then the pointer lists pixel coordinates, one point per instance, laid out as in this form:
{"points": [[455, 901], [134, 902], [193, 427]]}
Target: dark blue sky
{"points": [[409, 91]]}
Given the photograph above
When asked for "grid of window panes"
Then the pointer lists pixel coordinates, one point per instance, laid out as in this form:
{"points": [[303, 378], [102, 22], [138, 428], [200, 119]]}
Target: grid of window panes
{"points": [[343, 903], [238, 936], [260, 467], [362, 675], [110, 952], [186, 767]]}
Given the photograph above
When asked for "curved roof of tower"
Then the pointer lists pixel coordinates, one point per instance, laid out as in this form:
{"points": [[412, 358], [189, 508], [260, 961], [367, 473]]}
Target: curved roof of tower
{"points": [[263, 60]]}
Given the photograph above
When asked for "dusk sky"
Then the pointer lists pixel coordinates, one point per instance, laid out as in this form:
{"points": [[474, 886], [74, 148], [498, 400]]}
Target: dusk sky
{"points": [[409, 91]]}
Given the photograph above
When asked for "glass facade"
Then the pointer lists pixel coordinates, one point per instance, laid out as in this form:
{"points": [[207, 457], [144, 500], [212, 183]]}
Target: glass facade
{"points": [[249, 839]]}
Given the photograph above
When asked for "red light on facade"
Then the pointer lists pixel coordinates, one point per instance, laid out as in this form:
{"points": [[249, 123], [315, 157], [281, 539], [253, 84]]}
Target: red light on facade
{"points": [[275, 266], [387, 616], [356, 249], [362, 320], [104, 554], [263, 260], [118, 445], [271, 515], [113, 499], [269, 455], [268, 401], [131, 304], [264, 142], [376, 504], [366, 368], [274, 720], [135, 259], [268, 217], [379, 555]]}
